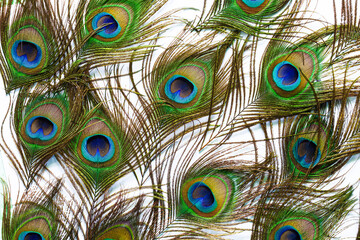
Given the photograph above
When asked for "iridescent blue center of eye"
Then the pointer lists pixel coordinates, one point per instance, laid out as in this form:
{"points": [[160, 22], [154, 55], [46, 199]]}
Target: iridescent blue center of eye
{"points": [[201, 196], [180, 89], [26, 54], [253, 3], [287, 233], [286, 76], [41, 128], [98, 148], [110, 28], [30, 236], [305, 153]]}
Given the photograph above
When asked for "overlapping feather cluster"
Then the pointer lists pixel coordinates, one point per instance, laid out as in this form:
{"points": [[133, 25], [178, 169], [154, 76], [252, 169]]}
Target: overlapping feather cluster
{"points": [[129, 121]]}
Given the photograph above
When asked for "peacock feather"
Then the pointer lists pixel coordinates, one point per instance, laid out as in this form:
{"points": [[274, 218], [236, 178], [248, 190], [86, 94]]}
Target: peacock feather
{"points": [[293, 218], [37, 215], [118, 29], [249, 16], [214, 119], [32, 41], [182, 82]]}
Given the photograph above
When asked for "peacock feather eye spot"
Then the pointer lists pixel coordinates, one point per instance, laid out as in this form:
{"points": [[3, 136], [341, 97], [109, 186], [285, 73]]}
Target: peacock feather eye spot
{"points": [[98, 148], [42, 128], [253, 3], [201, 196], [295, 228], [35, 228], [98, 144], [287, 233], [204, 193], [289, 74], [183, 86], [307, 150], [26, 54], [305, 153], [110, 27], [110, 22], [206, 196], [252, 6], [180, 89], [27, 50], [286, 76], [43, 123], [32, 236], [290, 235]]}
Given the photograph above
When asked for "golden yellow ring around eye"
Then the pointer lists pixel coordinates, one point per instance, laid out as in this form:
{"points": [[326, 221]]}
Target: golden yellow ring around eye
{"points": [[305, 226], [306, 64], [121, 14], [31, 35], [195, 73]]}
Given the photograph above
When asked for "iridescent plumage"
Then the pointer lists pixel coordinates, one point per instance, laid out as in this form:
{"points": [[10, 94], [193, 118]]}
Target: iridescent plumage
{"points": [[135, 119]]}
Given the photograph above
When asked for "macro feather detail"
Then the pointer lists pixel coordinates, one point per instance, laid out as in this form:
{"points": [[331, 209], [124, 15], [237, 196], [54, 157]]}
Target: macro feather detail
{"points": [[115, 217], [44, 121], [249, 16], [182, 81], [214, 119], [293, 218], [309, 145], [37, 216], [31, 40], [118, 29]]}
